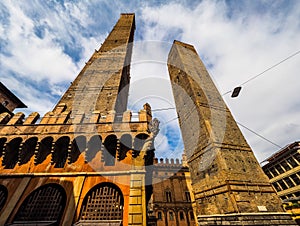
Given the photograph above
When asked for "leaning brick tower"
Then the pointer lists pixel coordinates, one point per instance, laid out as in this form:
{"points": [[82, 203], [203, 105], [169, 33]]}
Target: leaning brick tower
{"points": [[85, 162], [230, 187]]}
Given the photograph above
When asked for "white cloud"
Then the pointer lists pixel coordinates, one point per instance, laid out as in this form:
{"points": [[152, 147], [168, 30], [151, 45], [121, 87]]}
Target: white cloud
{"points": [[238, 48], [47, 44]]}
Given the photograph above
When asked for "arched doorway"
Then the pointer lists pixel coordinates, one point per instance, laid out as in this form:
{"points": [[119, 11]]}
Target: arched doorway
{"points": [[44, 206], [103, 204]]}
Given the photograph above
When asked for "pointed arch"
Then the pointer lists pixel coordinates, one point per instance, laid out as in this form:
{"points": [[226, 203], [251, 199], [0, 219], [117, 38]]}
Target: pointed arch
{"points": [[110, 150], [60, 152], [27, 150], [77, 147], [45, 204], [104, 202], [43, 150]]}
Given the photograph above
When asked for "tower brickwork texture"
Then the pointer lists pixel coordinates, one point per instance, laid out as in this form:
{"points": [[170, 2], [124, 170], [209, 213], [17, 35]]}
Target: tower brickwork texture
{"points": [[226, 177], [85, 162]]}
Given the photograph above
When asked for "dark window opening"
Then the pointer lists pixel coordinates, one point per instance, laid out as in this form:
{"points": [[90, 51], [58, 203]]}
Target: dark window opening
{"points": [[282, 185], [289, 182], [285, 166], [292, 162], [44, 149], [276, 186], [192, 216], [171, 216], [168, 196], [11, 152], [181, 215], [28, 149], [159, 215], [78, 146], [273, 171], [60, 153], [269, 174], [295, 178], [110, 150], [279, 168], [187, 196]]}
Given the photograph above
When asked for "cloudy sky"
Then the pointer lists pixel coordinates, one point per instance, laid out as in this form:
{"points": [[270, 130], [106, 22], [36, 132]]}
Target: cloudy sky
{"points": [[44, 45]]}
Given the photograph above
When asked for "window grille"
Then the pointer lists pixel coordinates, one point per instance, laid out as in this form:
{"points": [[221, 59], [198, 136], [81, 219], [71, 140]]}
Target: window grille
{"points": [[3, 196], [103, 202], [45, 204]]}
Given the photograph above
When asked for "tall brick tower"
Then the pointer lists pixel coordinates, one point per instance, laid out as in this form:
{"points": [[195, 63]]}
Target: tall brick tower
{"points": [[85, 162], [229, 185]]}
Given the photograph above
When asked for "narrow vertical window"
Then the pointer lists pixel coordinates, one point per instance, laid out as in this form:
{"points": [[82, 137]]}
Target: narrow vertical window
{"points": [[187, 196], [181, 215], [171, 216], [168, 196]]}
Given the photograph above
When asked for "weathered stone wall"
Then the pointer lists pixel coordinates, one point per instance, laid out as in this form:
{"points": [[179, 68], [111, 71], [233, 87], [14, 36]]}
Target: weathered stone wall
{"points": [[226, 177]]}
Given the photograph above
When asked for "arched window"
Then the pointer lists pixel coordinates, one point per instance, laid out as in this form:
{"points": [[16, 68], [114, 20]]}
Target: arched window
{"points": [[3, 196], [160, 215], [11, 151], [171, 216], [78, 146], [43, 150], [103, 202], [60, 152], [94, 146], [45, 204], [181, 215], [110, 150], [125, 146], [27, 150]]}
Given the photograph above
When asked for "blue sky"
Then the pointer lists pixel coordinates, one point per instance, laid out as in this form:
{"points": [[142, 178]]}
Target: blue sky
{"points": [[44, 45]]}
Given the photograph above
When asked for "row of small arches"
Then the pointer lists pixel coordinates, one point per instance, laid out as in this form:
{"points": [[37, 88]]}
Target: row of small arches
{"points": [[62, 150], [169, 215], [47, 204]]}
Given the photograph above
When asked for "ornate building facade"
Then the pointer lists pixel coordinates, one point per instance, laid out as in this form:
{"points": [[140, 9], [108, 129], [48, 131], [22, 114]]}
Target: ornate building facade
{"points": [[283, 170], [87, 162], [173, 199]]}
